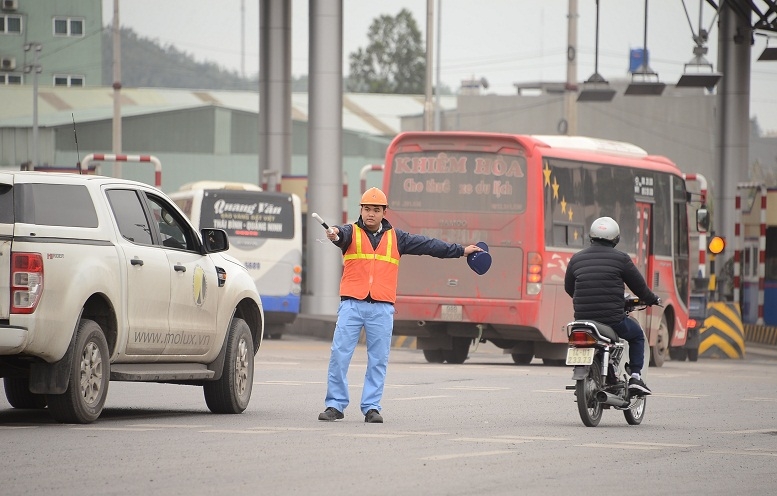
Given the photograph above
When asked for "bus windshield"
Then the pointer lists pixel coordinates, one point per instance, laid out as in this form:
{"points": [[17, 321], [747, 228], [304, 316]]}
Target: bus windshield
{"points": [[248, 217], [472, 182]]}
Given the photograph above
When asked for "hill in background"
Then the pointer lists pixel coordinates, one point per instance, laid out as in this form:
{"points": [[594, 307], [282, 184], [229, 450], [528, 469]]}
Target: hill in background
{"points": [[147, 64]]}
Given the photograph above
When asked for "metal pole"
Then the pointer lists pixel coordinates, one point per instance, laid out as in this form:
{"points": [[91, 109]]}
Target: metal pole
{"points": [[428, 105], [36, 69], [437, 110], [571, 86], [116, 88]]}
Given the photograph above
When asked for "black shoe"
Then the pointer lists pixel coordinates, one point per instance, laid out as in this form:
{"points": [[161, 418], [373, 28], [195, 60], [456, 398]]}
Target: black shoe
{"points": [[373, 417], [330, 414], [638, 388]]}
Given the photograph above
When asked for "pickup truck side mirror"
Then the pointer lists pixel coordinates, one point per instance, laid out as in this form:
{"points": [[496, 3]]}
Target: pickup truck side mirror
{"points": [[215, 240]]}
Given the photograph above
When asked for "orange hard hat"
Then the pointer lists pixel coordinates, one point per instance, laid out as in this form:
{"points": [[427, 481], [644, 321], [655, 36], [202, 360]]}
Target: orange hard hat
{"points": [[374, 196]]}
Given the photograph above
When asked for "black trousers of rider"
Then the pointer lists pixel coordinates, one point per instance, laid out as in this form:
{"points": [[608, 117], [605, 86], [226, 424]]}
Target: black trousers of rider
{"points": [[631, 331]]}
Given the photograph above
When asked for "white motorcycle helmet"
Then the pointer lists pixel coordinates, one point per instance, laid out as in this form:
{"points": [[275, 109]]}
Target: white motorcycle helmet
{"points": [[605, 229]]}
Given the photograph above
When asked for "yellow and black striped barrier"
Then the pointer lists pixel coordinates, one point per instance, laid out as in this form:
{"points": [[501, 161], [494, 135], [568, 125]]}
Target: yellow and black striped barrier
{"points": [[723, 335], [760, 334]]}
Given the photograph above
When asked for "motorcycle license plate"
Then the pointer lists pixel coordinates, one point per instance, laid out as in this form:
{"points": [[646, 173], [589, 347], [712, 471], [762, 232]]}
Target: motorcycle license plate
{"points": [[580, 356]]}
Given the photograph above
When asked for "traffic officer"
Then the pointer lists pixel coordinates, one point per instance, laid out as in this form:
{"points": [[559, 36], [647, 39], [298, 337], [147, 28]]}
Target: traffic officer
{"points": [[368, 289]]}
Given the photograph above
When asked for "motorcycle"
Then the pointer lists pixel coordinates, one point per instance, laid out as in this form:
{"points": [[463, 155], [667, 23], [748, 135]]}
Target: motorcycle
{"points": [[601, 372]]}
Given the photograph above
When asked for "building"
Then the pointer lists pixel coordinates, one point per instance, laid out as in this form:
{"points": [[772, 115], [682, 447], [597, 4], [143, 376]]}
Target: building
{"points": [[60, 40]]}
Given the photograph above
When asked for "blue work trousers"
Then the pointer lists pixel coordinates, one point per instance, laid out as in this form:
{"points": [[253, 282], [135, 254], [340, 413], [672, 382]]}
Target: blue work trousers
{"points": [[377, 319], [631, 331]]}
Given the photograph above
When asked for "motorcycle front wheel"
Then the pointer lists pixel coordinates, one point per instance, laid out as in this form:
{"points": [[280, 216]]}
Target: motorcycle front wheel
{"points": [[636, 411], [585, 390]]}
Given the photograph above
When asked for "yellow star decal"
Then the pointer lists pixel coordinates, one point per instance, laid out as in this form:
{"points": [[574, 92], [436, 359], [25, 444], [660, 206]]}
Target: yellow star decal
{"points": [[570, 213], [575, 235], [555, 189], [563, 205], [546, 172]]}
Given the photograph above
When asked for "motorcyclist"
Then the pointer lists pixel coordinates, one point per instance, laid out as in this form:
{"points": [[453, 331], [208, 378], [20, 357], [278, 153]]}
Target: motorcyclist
{"points": [[595, 280]]}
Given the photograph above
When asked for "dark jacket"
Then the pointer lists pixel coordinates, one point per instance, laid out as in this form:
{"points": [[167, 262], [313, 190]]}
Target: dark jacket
{"points": [[595, 278], [407, 244]]}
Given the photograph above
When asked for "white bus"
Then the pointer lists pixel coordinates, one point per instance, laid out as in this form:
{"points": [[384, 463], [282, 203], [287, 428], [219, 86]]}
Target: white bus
{"points": [[265, 234]]}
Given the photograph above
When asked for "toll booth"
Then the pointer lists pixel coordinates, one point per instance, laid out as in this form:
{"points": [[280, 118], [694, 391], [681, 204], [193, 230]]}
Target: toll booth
{"points": [[755, 256]]}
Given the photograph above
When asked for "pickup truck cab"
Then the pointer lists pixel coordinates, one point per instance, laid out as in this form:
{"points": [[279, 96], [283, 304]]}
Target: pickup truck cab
{"points": [[105, 279]]}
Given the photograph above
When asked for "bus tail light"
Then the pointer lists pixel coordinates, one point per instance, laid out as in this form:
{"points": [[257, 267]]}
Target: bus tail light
{"points": [[534, 273], [296, 288], [691, 323], [26, 281]]}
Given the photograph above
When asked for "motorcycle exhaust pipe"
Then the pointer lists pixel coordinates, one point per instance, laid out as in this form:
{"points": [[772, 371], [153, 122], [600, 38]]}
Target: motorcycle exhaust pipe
{"points": [[611, 399]]}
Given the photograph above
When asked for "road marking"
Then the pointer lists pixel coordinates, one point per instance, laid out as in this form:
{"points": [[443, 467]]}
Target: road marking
{"points": [[289, 383], [618, 446], [170, 426], [751, 431], [277, 363], [467, 455], [381, 436], [538, 438], [734, 452], [129, 429], [761, 399], [419, 398], [235, 431], [421, 433], [477, 388], [569, 391], [491, 440], [287, 429], [10, 427], [679, 395], [663, 445]]}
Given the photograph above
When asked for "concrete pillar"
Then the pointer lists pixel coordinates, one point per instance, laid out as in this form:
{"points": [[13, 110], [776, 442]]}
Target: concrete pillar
{"points": [[325, 167]]}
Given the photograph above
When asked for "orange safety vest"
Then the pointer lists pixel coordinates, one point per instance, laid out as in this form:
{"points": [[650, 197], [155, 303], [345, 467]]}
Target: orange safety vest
{"points": [[370, 272]]}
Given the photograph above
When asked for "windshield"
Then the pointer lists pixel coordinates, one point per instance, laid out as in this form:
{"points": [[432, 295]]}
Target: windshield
{"points": [[248, 217]]}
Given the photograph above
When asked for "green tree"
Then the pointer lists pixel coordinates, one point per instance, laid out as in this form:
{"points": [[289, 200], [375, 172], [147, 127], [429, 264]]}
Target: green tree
{"points": [[394, 60]]}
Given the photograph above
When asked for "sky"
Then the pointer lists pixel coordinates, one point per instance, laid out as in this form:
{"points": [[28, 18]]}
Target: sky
{"points": [[503, 41]]}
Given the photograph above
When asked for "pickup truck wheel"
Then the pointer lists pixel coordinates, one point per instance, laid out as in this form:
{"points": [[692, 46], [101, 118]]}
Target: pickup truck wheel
{"points": [[18, 393], [90, 374], [231, 393]]}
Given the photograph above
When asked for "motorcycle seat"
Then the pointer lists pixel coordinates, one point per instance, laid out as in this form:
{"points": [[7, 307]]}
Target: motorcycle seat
{"points": [[606, 331]]}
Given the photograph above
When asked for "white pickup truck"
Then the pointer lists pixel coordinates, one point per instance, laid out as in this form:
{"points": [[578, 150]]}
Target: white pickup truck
{"points": [[105, 279]]}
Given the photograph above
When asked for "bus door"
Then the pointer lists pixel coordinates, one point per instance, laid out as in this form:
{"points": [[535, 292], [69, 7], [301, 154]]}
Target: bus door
{"points": [[644, 261], [644, 246]]}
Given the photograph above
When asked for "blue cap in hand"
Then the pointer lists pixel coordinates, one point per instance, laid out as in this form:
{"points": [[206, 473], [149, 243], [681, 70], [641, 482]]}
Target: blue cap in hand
{"points": [[480, 261]]}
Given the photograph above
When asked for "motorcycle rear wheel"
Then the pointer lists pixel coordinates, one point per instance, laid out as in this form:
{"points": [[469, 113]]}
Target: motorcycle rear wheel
{"points": [[585, 389], [636, 411]]}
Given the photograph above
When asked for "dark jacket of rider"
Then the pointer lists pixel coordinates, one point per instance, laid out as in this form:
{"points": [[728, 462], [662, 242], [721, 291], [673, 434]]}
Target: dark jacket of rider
{"points": [[594, 279]]}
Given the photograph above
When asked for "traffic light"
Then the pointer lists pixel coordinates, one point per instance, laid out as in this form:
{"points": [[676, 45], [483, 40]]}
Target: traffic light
{"points": [[716, 245]]}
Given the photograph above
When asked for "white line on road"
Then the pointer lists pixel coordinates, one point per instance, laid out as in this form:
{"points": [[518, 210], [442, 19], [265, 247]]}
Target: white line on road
{"points": [[492, 440], [537, 438], [477, 388], [618, 446], [734, 452], [129, 429], [235, 431], [467, 455], [382, 436], [662, 445], [170, 426], [751, 431], [761, 399], [419, 398]]}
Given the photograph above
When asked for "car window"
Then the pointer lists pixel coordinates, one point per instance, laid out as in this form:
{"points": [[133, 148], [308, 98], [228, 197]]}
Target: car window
{"points": [[6, 204], [174, 232], [130, 216], [68, 205]]}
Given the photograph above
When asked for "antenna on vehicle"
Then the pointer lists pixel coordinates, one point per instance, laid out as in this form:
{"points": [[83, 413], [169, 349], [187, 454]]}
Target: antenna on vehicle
{"points": [[75, 134]]}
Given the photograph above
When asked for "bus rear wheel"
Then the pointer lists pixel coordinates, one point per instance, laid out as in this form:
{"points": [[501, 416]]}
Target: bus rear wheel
{"points": [[522, 358], [660, 350], [434, 356], [459, 350]]}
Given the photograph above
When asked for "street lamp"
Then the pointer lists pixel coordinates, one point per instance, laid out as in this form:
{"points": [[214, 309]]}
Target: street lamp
{"points": [[36, 69]]}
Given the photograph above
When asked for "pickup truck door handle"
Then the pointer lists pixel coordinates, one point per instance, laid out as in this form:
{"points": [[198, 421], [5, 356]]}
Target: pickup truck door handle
{"points": [[136, 261], [179, 268]]}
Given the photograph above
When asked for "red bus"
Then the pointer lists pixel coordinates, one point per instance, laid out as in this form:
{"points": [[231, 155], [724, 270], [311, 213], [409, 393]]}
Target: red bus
{"points": [[532, 199]]}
